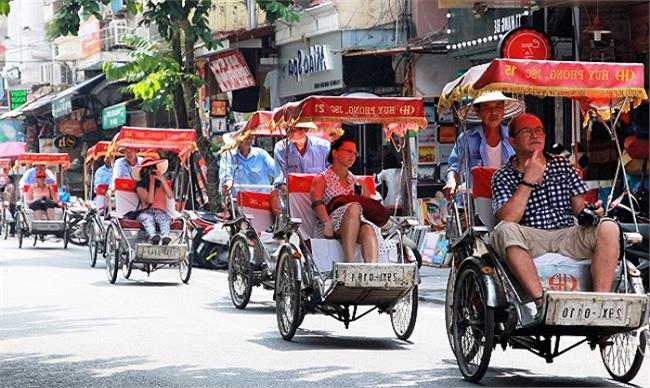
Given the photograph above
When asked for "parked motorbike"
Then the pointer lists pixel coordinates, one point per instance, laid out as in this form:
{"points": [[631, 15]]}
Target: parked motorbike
{"points": [[209, 240], [77, 225]]}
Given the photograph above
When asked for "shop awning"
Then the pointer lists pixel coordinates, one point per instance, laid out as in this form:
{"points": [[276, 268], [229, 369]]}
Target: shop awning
{"points": [[81, 88]]}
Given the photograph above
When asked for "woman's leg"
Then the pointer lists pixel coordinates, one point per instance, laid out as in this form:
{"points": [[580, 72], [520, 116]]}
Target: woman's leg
{"points": [[50, 213], [38, 214], [147, 220], [369, 244], [163, 220], [349, 230]]}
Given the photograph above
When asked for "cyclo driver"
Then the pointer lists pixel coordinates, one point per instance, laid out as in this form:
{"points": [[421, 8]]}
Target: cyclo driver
{"points": [[535, 198]]}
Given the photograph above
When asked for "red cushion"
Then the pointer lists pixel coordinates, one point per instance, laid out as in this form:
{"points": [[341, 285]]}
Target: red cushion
{"points": [[637, 148], [482, 181], [300, 183], [101, 189], [124, 184], [126, 223], [255, 200]]}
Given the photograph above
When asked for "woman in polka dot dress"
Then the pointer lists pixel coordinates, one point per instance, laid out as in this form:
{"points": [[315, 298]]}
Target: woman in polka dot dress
{"points": [[346, 222]]}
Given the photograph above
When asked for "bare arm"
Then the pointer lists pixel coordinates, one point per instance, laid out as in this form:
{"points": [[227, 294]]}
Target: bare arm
{"points": [[167, 188], [317, 194], [29, 196], [514, 209]]}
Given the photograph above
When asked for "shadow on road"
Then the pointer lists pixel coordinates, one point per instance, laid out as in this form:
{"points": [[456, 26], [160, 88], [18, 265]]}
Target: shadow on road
{"points": [[59, 371], [254, 307]]}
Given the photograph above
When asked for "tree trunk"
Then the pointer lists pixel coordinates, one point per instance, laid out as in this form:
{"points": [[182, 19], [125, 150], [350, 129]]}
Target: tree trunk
{"points": [[179, 100]]}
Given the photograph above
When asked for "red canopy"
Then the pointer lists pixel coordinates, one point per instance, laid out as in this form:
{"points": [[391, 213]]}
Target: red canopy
{"points": [[260, 125], [97, 151], [593, 81], [53, 159], [397, 114], [179, 141]]}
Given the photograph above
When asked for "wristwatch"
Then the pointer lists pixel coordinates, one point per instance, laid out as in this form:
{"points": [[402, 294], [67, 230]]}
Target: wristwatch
{"points": [[531, 185]]}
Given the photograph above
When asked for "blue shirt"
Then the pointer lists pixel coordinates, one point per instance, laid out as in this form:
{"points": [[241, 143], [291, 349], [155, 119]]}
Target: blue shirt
{"points": [[30, 177], [103, 176], [255, 169], [314, 161], [473, 140], [122, 169]]}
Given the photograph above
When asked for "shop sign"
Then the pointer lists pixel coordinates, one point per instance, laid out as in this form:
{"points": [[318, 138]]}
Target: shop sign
{"points": [[526, 43], [231, 71], [65, 142], [90, 38], [114, 116], [316, 59], [17, 98], [61, 106], [70, 127]]}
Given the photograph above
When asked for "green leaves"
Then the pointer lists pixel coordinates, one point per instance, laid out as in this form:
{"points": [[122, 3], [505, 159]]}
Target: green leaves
{"points": [[279, 9], [5, 7]]}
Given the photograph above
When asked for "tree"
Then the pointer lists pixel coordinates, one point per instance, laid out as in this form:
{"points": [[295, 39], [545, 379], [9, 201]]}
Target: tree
{"points": [[182, 24]]}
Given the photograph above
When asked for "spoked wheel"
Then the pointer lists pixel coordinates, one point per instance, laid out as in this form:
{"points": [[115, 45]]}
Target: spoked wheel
{"points": [[240, 272], [127, 265], [623, 354], [287, 296], [93, 242], [5, 224], [185, 267], [404, 314], [449, 300], [112, 255], [19, 229], [472, 325]]}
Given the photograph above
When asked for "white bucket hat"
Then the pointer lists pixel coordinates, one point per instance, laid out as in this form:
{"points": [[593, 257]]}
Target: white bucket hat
{"points": [[511, 106]]}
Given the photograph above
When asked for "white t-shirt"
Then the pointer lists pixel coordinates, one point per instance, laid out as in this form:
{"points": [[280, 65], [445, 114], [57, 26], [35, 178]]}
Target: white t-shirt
{"points": [[390, 178], [494, 156]]}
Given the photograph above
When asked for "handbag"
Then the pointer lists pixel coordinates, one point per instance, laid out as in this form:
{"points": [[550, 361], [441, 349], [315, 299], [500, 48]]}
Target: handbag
{"points": [[133, 214], [373, 210]]}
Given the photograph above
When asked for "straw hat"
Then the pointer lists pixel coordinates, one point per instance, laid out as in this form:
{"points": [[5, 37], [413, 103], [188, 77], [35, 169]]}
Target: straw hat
{"points": [[231, 139], [512, 106], [161, 167], [307, 125]]}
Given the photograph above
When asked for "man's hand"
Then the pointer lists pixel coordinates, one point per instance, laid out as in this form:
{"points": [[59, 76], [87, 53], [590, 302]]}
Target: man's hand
{"points": [[227, 186], [599, 208], [450, 188], [328, 229], [534, 168]]}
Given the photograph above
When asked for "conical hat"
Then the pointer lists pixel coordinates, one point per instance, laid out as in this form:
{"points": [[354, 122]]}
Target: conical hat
{"points": [[512, 107]]}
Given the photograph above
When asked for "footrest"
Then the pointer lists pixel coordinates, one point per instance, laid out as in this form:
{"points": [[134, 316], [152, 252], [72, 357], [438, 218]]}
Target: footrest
{"points": [[370, 284], [596, 309], [166, 254]]}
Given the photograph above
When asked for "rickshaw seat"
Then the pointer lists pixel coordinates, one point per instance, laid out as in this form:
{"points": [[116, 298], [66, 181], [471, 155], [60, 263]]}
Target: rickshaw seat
{"points": [[482, 196], [100, 196], [324, 251], [257, 208], [126, 223]]}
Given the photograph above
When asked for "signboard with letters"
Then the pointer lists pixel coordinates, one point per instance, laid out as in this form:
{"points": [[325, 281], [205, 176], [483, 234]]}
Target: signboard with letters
{"points": [[526, 43], [65, 142], [18, 98], [61, 106], [89, 35], [231, 71], [114, 116]]}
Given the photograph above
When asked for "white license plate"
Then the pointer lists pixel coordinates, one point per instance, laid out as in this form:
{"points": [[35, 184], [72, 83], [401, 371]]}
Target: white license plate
{"points": [[365, 275], [46, 226], [163, 252], [590, 313]]}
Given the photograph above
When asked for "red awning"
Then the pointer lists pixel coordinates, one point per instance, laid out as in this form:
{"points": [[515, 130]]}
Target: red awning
{"points": [[53, 159], [179, 141], [592, 81], [397, 114]]}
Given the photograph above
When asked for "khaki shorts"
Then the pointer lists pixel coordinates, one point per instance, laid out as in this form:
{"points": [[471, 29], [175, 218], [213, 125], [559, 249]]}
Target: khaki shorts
{"points": [[577, 242]]}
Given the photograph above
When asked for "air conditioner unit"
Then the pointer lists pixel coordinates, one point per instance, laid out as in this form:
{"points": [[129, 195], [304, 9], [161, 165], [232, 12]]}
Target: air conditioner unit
{"points": [[46, 73], [116, 30]]}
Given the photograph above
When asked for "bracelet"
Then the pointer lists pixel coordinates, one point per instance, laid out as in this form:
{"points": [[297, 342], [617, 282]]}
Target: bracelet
{"points": [[317, 203], [531, 185]]}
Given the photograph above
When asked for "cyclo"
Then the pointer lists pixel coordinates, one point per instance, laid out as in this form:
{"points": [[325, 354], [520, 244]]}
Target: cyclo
{"points": [[5, 216], [125, 239], [310, 275], [26, 225], [252, 254], [486, 306]]}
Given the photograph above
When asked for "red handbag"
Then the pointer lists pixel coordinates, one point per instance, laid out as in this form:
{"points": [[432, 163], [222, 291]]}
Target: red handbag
{"points": [[373, 210]]}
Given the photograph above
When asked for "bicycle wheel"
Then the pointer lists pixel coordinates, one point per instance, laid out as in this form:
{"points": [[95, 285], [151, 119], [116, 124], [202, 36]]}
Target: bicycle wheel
{"points": [[288, 298], [240, 273]]}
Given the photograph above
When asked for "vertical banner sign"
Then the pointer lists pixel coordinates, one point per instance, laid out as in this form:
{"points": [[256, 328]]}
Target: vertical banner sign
{"points": [[17, 98], [114, 116], [231, 71], [89, 35], [61, 106]]}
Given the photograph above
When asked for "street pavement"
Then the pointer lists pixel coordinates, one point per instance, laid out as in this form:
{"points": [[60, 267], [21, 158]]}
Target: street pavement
{"points": [[63, 325]]}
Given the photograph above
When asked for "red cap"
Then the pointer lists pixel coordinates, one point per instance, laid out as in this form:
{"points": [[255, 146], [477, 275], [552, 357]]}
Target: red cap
{"points": [[524, 120], [40, 174]]}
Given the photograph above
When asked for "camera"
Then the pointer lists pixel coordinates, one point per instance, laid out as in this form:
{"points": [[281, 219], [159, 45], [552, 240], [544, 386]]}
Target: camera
{"points": [[588, 216]]}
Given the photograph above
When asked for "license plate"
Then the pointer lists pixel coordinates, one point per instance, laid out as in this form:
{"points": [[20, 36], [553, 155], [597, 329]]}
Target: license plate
{"points": [[163, 252], [378, 276], [607, 310], [47, 226]]}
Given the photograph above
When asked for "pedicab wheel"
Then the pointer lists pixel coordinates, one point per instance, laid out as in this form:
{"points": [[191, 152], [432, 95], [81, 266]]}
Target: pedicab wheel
{"points": [[93, 243], [472, 324], [287, 296], [127, 265], [112, 255], [449, 299], [5, 224], [240, 272], [404, 314], [623, 354], [185, 267], [19, 229]]}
